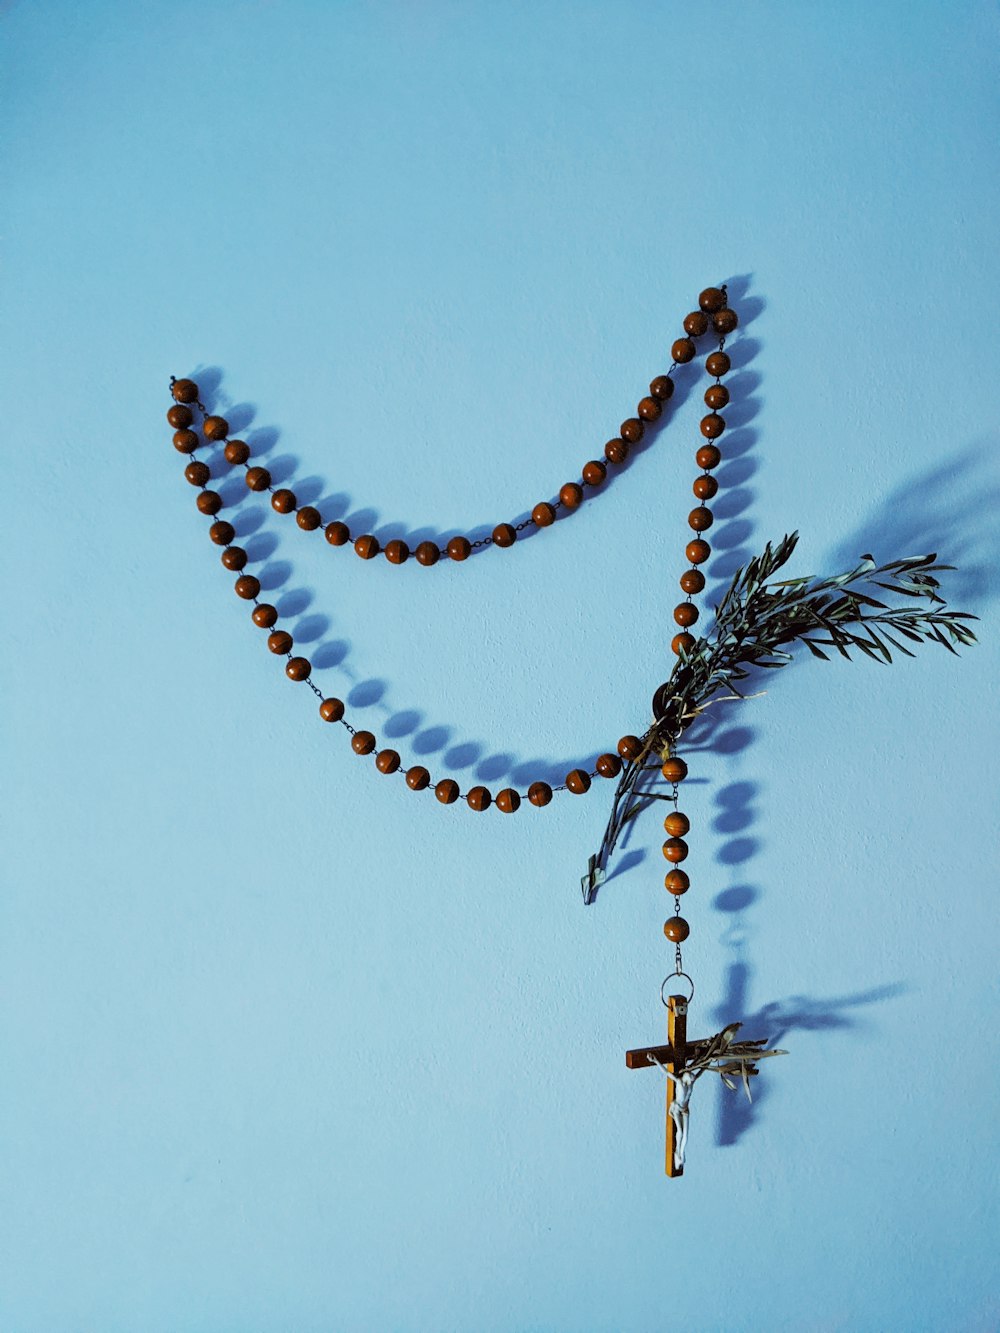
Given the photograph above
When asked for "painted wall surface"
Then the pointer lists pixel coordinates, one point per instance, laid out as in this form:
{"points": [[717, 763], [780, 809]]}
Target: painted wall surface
{"points": [[286, 1047]]}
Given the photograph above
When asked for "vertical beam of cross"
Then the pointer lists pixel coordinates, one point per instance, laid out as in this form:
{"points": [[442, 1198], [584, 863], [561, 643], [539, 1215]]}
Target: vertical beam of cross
{"points": [[677, 1007]]}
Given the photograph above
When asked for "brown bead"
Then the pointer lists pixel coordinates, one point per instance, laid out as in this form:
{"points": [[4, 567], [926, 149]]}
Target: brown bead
{"points": [[631, 430], [184, 391], [676, 882], [682, 643], [479, 798], [283, 501], [331, 710], [264, 616], [417, 777], [616, 451], [185, 441], [674, 769], [543, 515], [712, 426], [508, 800], [676, 824], [539, 794], [649, 409], [676, 929], [179, 417], [367, 546], [683, 350], [247, 586], [298, 668], [692, 580], [704, 487], [459, 548], [236, 452], [608, 765], [427, 553], [234, 557], [697, 551], [716, 396], [222, 533], [397, 552], [675, 849], [280, 642], [630, 747], [362, 742], [685, 614], [447, 791], [197, 473], [215, 428], [258, 478], [724, 321], [209, 502], [594, 472], [708, 456], [711, 299], [696, 323], [578, 782], [338, 534], [504, 534], [701, 519], [662, 388], [718, 363], [308, 518], [387, 761], [571, 495]]}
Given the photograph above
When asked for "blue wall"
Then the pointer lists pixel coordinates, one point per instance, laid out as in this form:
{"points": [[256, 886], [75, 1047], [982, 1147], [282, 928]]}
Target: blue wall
{"points": [[287, 1047]]}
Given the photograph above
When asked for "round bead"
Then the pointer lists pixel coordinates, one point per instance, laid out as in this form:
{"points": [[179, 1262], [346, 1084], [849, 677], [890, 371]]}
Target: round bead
{"points": [[298, 668], [676, 929], [184, 391], [209, 502], [704, 487], [578, 782], [683, 351], [708, 456], [215, 428], [247, 586], [543, 515], [662, 388], [696, 323], [682, 643], [594, 472], [608, 765], [676, 824], [712, 426], [539, 794], [185, 441], [630, 747], [692, 581], [308, 518], [716, 396], [447, 791], [283, 501], [197, 473], [417, 777], [397, 552], [504, 534], [459, 548], [280, 642], [337, 533], [234, 557], [362, 742], [179, 417], [718, 363], [571, 495], [236, 452], [222, 533], [676, 882], [649, 409], [258, 478], [685, 614], [264, 616], [386, 761], [331, 710], [631, 430], [697, 551], [479, 798], [675, 849], [616, 451], [674, 769], [701, 519], [508, 800], [724, 321], [427, 554], [367, 546], [711, 299]]}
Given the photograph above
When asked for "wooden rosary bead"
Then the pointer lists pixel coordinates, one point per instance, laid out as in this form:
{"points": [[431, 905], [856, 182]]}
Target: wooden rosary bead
{"points": [[682, 643], [386, 761], [298, 668], [712, 426], [674, 769], [677, 824], [631, 430], [630, 747], [692, 581], [215, 428], [308, 518], [685, 614], [716, 396], [258, 478], [571, 496], [222, 533], [543, 515], [708, 456], [417, 777], [197, 473], [427, 553], [675, 849], [283, 501], [683, 351], [676, 882], [662, 388], [264, 616], [397, 552], [209, 502], [724, 321], [539, 794], [505, 534], [280, 642], [184, 391], [676, 929], [649, 409], [711, 299], [594, 472], [608, 765], [705, 487], [616, 451], [234, 557], [718, 364], [479, 798], [185, 441], [362, 742], [236, 452], [578, 782], [697, 551], [696, 323], [447, 791], [367, 546], [459, 548], [331, 710], [179, 417], [508, 800], [247, 586], [337, 533], [701, 519]]}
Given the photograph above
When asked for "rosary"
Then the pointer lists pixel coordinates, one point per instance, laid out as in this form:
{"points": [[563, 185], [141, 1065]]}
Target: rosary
{"points": [[756, 623]]}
